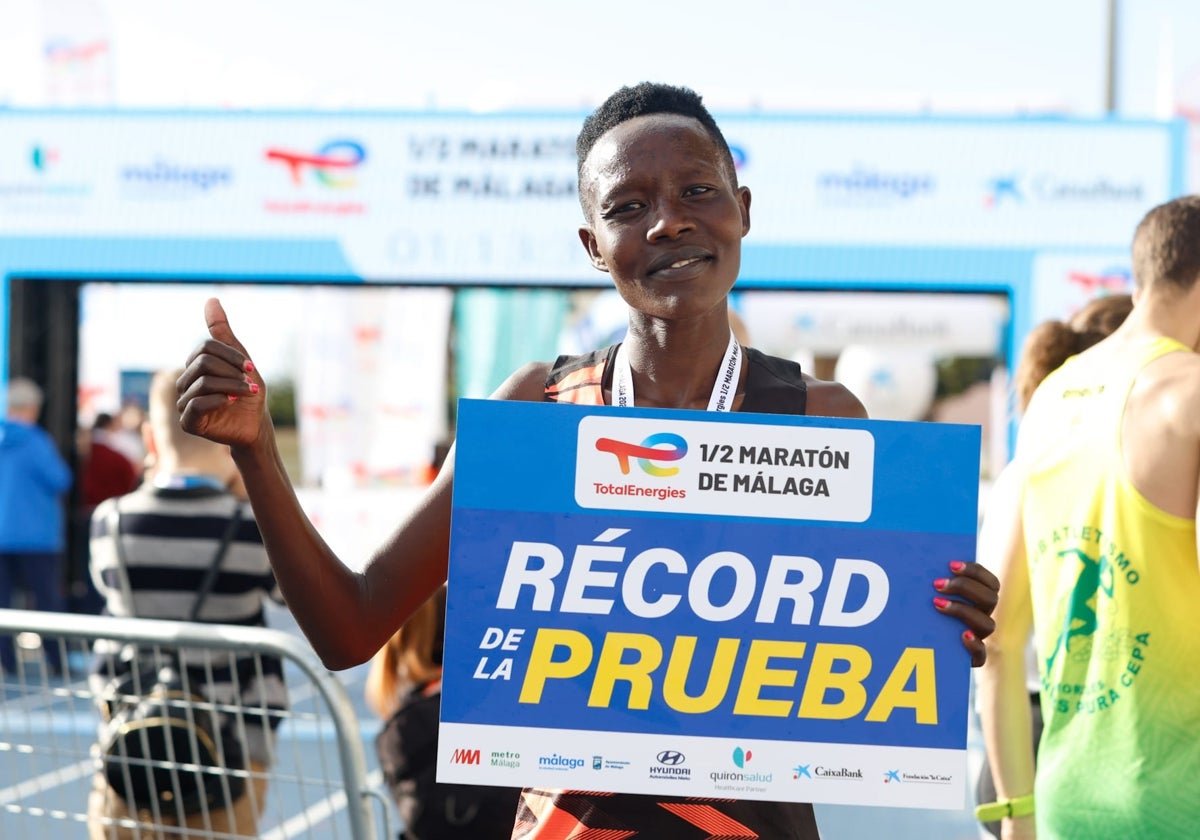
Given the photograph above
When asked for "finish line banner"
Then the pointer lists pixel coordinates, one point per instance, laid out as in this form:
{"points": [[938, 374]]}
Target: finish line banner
{"points": [[712, 605]]}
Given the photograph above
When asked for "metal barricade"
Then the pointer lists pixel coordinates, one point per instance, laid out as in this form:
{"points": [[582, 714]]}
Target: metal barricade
{"points": [[50, 761]]}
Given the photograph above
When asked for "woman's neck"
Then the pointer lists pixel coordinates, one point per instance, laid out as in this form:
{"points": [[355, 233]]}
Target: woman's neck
{"points": [[676, 365]]}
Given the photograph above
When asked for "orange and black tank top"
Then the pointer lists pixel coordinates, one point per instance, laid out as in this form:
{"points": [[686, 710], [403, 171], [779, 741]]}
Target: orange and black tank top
{"points": [[773, 386]]}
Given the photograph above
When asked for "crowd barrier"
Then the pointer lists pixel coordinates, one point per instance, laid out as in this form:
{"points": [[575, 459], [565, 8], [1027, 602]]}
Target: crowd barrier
{"points": [[316, 786]]}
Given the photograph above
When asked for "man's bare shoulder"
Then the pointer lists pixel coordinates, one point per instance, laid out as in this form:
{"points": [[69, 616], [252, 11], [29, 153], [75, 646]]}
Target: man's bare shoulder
{"points": [[527, 384], [1169, 393], [832, 399]]}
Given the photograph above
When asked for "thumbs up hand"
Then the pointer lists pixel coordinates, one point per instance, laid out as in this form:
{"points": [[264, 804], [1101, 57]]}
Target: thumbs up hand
{"points": [[222, 396]]}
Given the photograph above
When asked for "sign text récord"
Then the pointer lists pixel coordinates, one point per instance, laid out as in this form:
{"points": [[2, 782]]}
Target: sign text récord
{"points": [[600, 576]]}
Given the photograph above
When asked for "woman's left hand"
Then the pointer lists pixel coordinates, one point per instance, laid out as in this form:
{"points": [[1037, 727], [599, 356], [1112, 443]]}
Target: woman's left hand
{"points": [[969, 595]]}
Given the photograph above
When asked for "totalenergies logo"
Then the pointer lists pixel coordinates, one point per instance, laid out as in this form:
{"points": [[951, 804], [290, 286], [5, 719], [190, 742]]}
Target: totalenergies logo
{"points": [[63, 53], [649, 453], [1113, 280], [331, 164]]}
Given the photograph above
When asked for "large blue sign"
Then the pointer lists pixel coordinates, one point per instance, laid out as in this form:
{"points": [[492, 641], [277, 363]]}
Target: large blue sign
{"points": [[625, 582]]}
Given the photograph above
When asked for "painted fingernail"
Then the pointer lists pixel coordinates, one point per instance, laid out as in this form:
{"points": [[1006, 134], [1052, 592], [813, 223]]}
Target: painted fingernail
{"points": [[253, 387], [940, 583], [248, 365], [941, 603], [957, 565], [232, 397], [968, 635]]}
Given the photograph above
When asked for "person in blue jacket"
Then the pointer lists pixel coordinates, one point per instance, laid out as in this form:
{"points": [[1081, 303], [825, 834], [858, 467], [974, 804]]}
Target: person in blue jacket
{"points": [[33, 479]]}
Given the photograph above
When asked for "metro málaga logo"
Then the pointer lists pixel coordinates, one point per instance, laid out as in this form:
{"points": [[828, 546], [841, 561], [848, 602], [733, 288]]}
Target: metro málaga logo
{"points": [[647, 453], [461, 756]]}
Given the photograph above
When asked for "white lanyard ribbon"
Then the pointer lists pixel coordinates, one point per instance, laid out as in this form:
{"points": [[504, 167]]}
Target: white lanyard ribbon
{"points": [[724, 388]]}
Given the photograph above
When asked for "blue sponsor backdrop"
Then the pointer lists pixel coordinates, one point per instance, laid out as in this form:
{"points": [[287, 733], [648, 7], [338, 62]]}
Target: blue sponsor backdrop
{"points": [[514, 481]]}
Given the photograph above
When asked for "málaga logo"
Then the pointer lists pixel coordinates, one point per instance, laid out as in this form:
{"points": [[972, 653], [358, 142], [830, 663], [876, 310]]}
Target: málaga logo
{"points": [[663, 447]]}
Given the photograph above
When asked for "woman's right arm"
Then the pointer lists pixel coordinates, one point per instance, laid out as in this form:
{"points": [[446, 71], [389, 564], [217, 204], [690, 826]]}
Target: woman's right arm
{"points": [[346, 615]]}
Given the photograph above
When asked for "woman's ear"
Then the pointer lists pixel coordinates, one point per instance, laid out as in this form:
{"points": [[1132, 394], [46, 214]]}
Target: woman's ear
{"points": [[588, 238]]}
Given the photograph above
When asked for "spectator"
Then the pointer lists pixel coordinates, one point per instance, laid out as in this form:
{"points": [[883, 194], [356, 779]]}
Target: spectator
{"points": [[404, 686], [1093, 531], [104, 470], [103, 473], [169, 529], [125, 435], [33, 480], [1046, 348], [1051, 343]]}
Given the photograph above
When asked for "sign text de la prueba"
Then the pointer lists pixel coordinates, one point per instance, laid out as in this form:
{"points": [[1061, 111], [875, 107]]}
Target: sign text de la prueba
{"points": [[600, 577]]}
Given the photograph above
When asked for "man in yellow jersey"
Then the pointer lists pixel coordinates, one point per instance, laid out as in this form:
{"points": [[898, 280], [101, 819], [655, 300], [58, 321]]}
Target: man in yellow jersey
{"points": [[1093, 530]]}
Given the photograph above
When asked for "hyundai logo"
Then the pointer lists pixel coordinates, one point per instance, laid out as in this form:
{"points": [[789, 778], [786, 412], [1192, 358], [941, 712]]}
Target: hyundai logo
{"points": [[670, 758]]}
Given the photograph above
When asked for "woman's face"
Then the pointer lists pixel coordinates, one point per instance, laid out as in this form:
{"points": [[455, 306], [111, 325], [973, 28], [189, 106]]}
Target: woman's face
{"points": [[666, 218]]}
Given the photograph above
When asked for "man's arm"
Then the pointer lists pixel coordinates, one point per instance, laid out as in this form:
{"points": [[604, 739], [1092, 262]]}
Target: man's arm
{"points": [[1003, 697]]}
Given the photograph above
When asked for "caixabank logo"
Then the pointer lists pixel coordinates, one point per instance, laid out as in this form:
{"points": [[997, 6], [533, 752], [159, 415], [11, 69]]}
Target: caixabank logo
{"points": [[1068, 192]]}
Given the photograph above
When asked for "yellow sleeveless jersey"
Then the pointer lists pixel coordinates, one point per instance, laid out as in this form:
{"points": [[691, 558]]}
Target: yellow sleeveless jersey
{"points": [[1116, 600]]}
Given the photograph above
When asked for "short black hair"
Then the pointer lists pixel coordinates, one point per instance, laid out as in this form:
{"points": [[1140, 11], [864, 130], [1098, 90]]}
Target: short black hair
{"points": [[639, 101]]}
